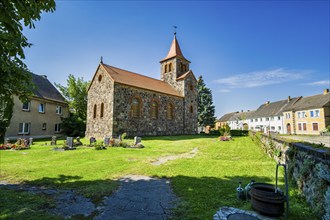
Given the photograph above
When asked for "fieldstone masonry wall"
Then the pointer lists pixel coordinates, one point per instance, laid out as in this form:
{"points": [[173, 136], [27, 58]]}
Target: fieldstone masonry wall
{"points": [[100, 92], [145, 125], [308, 167]]}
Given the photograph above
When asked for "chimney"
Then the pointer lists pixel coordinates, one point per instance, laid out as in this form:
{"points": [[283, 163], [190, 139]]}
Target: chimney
{"points": [[289, 98], [44, 76], [325, 91], [242, 110], [267, 103]]}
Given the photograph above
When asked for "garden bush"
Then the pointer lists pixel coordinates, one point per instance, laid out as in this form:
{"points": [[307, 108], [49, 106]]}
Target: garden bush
{"points": [[239, 132]]}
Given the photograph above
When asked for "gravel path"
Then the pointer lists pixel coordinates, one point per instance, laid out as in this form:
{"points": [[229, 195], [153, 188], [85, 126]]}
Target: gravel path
{"points": [[162, 160], [138, 197]]}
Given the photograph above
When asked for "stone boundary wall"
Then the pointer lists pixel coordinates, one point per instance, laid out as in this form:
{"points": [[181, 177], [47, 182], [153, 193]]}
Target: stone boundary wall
{"points": [[308, 167]]}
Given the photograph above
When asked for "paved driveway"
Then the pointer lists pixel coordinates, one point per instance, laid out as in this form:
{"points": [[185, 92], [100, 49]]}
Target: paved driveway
{"points": [[312, 139]]}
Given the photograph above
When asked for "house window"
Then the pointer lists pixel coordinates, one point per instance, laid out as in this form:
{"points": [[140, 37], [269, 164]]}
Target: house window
{"points": [[315, 126], [170, 111], [279, 128], [102, 110], [100, 78], [135, 108], [299, 126], [24, 128], [272, 118], [59, 110], [299, 115], [279, 118], [41, 108], [26, 106], [154, 110], [311, 114], [44, 126], [303, 114], [272, 128], [304, 127], [58, 128], [267, 119], [251, 120], [170, 67], [256, 120], [317, 113], [287, 115], [94, 111], [260, 119]]}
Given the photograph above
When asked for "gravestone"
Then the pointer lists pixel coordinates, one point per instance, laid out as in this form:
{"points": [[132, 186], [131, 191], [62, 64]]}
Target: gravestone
{"points": [[31, 141], [69, 142], [137, 140], [92, 140], [53, 142], [107, 141]]}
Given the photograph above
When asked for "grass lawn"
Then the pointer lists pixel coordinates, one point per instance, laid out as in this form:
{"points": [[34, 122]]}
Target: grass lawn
{"points": [[204, 183]]}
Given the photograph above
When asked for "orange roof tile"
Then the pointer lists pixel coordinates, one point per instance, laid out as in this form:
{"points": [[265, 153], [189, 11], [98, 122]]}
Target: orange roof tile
{"points": [[185, 75], [133, 79], [174, 51]]}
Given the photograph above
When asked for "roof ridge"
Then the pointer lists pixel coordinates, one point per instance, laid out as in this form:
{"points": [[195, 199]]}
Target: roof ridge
{"points": [[132, 73]]}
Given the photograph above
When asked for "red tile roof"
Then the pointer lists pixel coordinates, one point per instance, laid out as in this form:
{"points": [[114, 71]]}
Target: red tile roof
{"points": [[133, 79], [185, 75], [174, 51]]}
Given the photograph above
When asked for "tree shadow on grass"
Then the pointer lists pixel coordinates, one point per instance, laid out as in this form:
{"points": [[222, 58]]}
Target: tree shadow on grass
{"points": [[199, 197]]}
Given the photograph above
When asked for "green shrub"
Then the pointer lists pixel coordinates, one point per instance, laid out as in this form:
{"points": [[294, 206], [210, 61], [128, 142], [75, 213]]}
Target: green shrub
{"points": [[214, 132], [239, 132]]}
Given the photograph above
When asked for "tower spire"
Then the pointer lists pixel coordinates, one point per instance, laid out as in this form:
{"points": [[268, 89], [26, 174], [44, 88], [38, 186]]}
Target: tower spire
{"points": [[175, 50]]}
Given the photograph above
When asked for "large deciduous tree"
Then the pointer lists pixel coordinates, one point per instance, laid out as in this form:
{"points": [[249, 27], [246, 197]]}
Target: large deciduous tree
{"points": [[14, 14], [76, 94], [206, 109]]}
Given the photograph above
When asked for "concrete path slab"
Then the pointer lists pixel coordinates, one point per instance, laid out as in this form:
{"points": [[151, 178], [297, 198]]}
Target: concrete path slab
{"points": [[139, 197]]}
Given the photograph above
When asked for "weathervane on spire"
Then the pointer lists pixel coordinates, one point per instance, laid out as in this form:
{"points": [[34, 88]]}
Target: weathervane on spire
{"points": [[175, 27]]}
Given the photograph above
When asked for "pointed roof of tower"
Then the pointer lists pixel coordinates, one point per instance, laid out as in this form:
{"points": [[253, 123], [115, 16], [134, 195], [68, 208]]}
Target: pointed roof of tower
{"points": [[174, 51]]}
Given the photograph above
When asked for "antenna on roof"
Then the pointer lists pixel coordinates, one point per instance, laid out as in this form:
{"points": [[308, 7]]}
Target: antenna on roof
{"points": [[101, 60], [175, 27]]}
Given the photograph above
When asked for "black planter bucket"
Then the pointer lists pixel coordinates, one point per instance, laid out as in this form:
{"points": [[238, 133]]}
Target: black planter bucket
{"points": [[266, 200]]}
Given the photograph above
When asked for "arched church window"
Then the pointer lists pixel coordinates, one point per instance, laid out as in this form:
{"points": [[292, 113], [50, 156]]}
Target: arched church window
{"points": [[191, 87], [135, 107], [102, 110], [191, 109], [170, 113], [184, 68], [170, 67], [94, 112], [165, 68], [154, 110], [100, 78], [181, 67]]}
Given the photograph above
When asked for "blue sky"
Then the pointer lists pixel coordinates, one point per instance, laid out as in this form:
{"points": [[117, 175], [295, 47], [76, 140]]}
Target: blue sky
{"points": [[248, 52]]}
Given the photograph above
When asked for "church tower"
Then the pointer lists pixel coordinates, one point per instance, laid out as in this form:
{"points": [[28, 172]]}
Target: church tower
{"points": [[176, 72], [174, 64]]}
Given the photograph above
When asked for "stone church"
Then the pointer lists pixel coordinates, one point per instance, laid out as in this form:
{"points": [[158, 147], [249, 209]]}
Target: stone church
{"points": [[123, 101]]}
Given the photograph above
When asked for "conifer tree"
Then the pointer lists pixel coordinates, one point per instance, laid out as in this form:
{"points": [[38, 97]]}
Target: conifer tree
{"points": [[206, 109]]}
